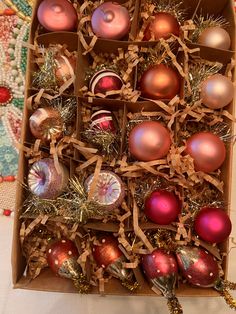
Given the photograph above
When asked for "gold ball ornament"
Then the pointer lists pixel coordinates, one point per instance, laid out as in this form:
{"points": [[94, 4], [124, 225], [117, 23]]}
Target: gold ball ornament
{"points": [[215, 37], [217, 91], [65, 68]]}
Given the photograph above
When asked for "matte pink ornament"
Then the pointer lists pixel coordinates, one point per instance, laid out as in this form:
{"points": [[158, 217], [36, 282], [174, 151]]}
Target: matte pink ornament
{"points": [[212, 225], [110, 20], [162, 207], [207, 150], [57, 15], [149, 140]]}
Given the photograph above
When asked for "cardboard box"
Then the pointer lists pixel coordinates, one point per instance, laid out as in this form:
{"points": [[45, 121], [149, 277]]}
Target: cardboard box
{"points": [[46, 281]]}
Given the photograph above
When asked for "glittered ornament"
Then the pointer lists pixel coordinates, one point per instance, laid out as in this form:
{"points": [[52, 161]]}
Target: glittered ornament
{"points": [[212, 225], [200, 269], [108, 256], [149, 140], [161, 269], [110, 20], [65, 68], [215, 37], [162, 207], [62, 258], [105, 81], [45, 181], [57, 15], [217, 91], [103, 120], [207, 150], [109, 191], [46, 124], [160, 82], [163, 26], [5, 95]]}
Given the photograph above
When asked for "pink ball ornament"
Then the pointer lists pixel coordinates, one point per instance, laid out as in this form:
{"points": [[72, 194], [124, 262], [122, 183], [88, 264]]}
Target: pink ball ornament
{"points": [[212, 225], [162, 207], [110, 20], [207, 150]]}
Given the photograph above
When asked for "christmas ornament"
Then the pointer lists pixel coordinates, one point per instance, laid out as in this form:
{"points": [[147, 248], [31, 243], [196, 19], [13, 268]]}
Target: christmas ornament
{"points": [[160, 82], [5, 95], [65, 68], [163, 26], [212, 225], [46, 124], [207, 150], [217, 91], [44, 179], [200, 269], [62, 258], [108, 256], [105, 81], [110, 20], [161, 269], [57, 15], [103, 120], [109, 191], [215, 37], [149, 140], [162, 207]]}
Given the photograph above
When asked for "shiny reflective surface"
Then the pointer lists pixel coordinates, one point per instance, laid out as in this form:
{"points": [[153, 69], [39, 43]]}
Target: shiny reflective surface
{"points": [[215, 37], [149, 140], [105, 81], [110, 20], [65, 69], [160, 82], [207, 150], [57, 15], [163, 25], [217, 91], [212, 225], [46, 124]]}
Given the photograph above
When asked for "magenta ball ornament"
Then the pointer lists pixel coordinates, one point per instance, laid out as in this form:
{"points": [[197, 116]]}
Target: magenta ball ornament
{"points": [[212, 225], [110, 20], [162, 207]]}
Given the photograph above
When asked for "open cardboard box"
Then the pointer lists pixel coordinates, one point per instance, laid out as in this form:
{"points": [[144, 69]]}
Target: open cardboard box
{"points": [[47, 281]]}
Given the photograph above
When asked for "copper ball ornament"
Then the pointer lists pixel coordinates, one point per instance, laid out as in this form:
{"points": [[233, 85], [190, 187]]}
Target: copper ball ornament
{"points": [[215, 37], [149, 140], [160, 82], [44, 180], [217, 91], [163, 26], [65, 68], [46, 124], [60, 253], [207, 150], [110, 20], [109, 191], [212, 225], [57, 15], [162, 207], [105, 81], [198, 266], [103, 120]]}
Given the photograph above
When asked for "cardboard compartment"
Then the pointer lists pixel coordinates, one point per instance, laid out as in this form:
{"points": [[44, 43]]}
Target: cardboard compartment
{"points": [[46, 281]]}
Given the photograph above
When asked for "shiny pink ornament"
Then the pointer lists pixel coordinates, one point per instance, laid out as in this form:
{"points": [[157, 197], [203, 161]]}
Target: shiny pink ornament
{"points": [[103, 120], [110, 20], [161, 269], [149, 140], [207, 150], [57, 15], [198, 266], [212, 225], [162, 207], [105, 81]]}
